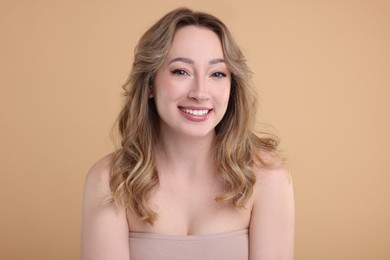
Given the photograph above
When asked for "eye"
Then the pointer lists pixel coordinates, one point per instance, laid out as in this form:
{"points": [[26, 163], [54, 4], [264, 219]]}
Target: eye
{"points": [[179, 72], [218, 75]]}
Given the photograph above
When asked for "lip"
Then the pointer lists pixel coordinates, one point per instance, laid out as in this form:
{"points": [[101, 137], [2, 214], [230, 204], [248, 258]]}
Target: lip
{"points": [[195, 118]]}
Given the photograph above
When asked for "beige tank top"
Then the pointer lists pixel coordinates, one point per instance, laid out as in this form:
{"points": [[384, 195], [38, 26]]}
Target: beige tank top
{"points": [[227, 246]]}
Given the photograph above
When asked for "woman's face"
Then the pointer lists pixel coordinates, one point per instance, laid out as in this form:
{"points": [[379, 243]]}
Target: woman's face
{"points": [[191, 89]]}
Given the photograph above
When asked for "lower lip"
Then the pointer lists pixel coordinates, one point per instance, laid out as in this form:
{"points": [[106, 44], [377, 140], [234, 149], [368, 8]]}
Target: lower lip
{"points": [[194, 118]]}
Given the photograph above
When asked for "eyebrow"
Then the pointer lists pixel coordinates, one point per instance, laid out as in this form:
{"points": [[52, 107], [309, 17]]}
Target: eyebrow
{"points": [[189, 61]]}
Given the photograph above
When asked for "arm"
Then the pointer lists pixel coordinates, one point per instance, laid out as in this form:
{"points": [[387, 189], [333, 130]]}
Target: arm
{"points": [[272, 221], [104, 227]]}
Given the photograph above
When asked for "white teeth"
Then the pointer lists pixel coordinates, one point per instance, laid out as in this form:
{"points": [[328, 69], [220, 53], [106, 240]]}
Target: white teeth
{"points": [[195, 112]]}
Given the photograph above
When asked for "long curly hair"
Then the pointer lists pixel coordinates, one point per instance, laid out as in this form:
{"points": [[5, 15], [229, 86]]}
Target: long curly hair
{"points": [[237, 149]]}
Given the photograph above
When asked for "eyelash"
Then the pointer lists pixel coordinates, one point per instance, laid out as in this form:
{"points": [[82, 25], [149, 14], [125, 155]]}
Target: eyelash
{"points": [[180, 72], [218, 75]]}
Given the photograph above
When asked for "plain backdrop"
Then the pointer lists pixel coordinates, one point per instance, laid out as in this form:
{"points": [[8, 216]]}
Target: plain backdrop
{"points": [[322, 70]]}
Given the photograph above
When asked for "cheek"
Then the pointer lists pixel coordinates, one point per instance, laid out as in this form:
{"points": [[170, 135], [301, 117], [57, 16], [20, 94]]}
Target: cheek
{"points": [[168, 89], [224, 94], [167, 93]]}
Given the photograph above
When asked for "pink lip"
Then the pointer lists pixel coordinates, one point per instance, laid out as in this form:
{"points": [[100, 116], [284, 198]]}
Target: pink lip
{"points": [[193, 118]]}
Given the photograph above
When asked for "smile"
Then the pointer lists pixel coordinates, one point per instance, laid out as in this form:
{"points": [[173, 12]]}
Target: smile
{"points": [[195, 112]]}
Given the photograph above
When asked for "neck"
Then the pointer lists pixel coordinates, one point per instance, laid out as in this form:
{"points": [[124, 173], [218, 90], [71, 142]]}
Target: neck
{"points": [[182, 154]]}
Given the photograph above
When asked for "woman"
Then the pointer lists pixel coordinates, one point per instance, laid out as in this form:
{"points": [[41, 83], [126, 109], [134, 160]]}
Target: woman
{"points": [[191, 180]]}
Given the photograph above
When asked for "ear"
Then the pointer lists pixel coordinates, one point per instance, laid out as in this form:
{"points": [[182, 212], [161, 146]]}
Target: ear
{"points": [[150, 92]]}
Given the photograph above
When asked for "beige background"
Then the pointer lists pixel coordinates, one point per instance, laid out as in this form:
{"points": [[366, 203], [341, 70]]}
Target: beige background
{"points": [[322, 69]]}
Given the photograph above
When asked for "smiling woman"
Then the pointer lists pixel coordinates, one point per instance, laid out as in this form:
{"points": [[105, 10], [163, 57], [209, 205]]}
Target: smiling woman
{"points": [[191, 179], [192, 85]]}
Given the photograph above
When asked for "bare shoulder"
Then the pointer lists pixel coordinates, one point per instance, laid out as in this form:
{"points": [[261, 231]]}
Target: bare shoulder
{"points": [[273, 189], [99, 175], [101, 167], [273, 184], [273, 172], [272, 222], [96, 185], [104, 228]]}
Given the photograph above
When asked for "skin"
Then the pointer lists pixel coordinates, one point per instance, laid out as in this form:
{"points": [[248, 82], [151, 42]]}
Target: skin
{"points": [[194, 77]]}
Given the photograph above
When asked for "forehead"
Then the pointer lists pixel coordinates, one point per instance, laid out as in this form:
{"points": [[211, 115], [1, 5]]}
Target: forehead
{"points": [[196, 41]]}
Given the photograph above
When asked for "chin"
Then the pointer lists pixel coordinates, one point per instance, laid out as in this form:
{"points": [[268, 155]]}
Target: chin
{"points": [[198, 133]]}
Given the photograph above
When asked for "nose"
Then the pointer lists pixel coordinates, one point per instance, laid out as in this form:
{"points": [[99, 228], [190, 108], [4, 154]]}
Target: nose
{"points": [[199, 90]]}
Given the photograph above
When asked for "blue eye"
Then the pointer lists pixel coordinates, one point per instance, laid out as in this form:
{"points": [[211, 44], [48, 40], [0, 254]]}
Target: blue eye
{"points": [[179, 72], [218, 75]]}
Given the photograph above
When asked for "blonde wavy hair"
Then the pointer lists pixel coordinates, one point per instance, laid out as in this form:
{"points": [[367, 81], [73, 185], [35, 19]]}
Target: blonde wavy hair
{"points": [[237, 149]]}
